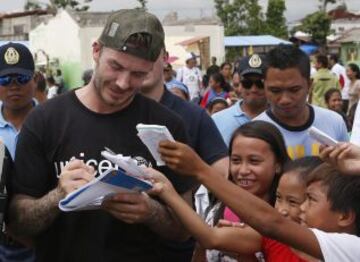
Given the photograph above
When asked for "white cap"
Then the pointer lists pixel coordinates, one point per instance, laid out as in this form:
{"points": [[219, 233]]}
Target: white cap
{"points": [[190, 56]]}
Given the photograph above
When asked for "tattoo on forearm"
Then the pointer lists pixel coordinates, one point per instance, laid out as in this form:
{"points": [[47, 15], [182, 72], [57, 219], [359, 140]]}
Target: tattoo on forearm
{"points": [[165, 223], [30, 216]]}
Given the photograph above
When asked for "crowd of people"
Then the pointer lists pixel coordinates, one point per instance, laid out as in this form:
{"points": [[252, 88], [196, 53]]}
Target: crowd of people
{"points": [[243, 181]]}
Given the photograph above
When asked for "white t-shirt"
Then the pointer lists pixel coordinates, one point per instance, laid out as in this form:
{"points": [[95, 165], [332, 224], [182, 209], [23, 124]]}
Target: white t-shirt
{"points": [[297, 139], [340, 71], [338, 247], [355, 132], [191, 78]]}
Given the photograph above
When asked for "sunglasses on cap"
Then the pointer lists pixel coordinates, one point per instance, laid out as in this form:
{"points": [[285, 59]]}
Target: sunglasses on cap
{"points": [[248, 83], [20, 79]]}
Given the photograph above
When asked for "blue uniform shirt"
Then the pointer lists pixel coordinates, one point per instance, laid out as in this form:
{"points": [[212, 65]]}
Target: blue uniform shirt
{"points": [[229, 119], [8, 134]]}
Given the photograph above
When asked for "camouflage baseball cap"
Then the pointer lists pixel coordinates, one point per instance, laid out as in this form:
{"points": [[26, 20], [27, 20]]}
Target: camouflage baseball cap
{"points": [[122, 31]]}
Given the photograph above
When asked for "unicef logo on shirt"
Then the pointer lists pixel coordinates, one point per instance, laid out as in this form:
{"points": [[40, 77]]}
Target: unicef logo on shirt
{"points": [[142, 161], [100, 166]]}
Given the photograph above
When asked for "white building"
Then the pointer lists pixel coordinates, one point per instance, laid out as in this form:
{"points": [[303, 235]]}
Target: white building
{"points": [[204, 37], [68, 37], [344, 24]]}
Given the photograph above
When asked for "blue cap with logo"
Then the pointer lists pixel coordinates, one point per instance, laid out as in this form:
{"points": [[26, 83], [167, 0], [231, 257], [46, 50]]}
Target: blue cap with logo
{"points": [[16, 58]]}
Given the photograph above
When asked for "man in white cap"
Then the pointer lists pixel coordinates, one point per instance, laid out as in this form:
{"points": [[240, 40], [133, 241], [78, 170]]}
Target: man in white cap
{"points": [[191, 76]]}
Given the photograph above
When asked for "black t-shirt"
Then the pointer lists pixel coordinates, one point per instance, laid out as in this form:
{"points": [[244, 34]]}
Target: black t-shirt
{"points": [[205, 138], [64, 128]]}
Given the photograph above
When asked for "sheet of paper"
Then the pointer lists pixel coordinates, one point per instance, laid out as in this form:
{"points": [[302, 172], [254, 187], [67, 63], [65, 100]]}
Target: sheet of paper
{"points": [[126, 163], [321, 137], [151, 135]]}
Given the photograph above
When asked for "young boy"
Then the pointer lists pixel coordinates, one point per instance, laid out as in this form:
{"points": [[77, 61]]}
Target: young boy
{"points": [[332, 207]]}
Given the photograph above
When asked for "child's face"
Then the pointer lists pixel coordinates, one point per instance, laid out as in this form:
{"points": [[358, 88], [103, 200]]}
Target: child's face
{"points": [[217, 108], [213, 83], [226, 71], [335, 102], [290, 194], [316, 210], [252, 165]]}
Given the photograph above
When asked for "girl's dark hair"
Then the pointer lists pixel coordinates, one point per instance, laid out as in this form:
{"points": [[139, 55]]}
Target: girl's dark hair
{"points": [[225, 64], [355, 68], [303, 166], [218, 78], [329, 93], [268, 133]]}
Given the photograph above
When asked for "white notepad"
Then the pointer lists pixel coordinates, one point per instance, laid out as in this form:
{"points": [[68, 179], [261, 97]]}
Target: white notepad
{"points": [[129, 178], [151, 135]]}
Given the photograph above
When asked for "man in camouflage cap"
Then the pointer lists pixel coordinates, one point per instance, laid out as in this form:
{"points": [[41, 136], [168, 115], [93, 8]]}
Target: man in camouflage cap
{"points": [[79, 124]]}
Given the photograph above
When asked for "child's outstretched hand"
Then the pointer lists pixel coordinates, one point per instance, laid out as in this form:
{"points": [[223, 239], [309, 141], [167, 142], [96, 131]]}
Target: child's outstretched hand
{"points": [[227, 223], [180, 157], [162, 187], [344, 156]]}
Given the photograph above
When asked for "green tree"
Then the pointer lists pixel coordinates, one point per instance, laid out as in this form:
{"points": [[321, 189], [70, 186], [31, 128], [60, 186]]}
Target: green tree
{"points": [[318, 25], [275, 19], [75, 5], [32, 5], [324, 3], [240, 16]]}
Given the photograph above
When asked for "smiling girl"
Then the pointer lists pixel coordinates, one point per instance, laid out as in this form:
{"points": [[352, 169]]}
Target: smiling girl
{"points": [[257, 155]]}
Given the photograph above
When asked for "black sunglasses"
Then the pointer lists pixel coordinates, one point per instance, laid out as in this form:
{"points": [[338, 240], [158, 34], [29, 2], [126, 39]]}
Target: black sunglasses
{"points": [[247, 83], [20, 79]]}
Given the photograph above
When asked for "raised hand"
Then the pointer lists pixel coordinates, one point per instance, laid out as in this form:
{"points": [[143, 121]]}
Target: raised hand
{"points": [[344, 156], [181, 158], [162, 187]]}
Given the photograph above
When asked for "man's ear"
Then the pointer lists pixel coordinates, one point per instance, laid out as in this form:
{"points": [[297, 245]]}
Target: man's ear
{"points": [[165, 56], [96, 46], [347, 219]]}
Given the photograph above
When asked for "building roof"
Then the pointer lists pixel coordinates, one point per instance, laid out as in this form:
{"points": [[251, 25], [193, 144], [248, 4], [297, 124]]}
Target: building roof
{"points": [[172, 20], [89, 19], [342, 13], [25, 13], [257, 40]]}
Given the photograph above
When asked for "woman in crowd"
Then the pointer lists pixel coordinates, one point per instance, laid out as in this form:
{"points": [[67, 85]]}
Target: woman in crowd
{"points": [[334, 102], [353, 73]]}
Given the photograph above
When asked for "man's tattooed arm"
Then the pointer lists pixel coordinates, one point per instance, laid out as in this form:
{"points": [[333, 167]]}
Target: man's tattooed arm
{"points": [[29, 216]]}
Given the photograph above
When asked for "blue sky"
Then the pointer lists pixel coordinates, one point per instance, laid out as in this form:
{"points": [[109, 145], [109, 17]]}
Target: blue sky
{"points": [[296, 9]]}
